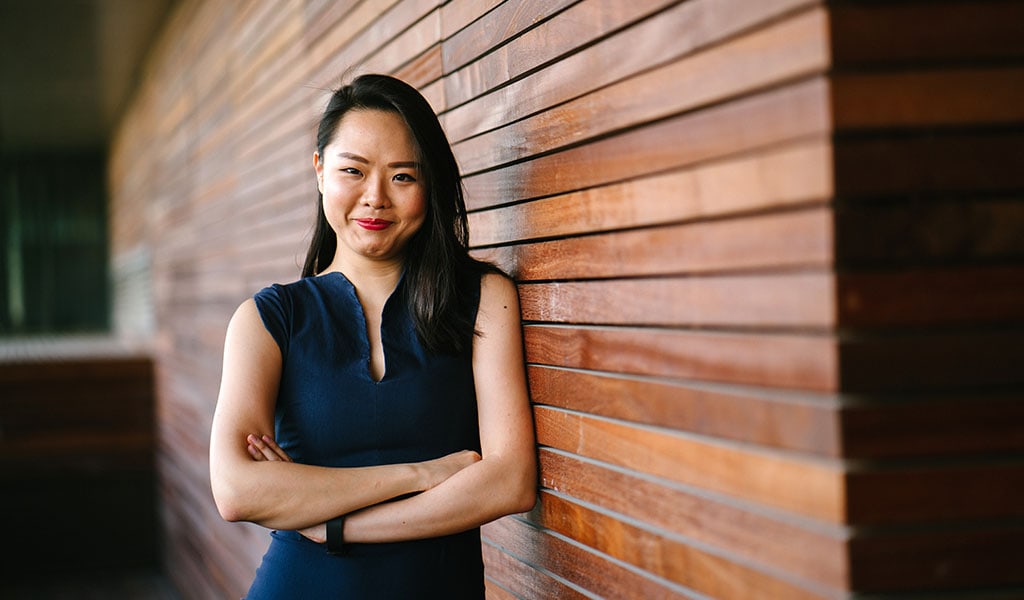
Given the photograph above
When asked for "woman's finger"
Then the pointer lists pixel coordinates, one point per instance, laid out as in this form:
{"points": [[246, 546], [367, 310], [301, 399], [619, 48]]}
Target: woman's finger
{"points": [[278, 452]]}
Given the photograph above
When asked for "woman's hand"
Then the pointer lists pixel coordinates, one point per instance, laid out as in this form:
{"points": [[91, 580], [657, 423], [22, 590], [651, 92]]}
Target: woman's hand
{"points": [[264, 448], [433, 472]]}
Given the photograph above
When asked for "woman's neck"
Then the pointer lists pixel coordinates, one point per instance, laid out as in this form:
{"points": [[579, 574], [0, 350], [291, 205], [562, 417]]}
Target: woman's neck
{"points": [[371, 278]]}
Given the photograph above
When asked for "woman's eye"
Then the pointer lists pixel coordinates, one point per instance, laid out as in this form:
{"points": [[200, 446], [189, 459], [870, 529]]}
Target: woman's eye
{"points": [[405, 177], [351, 171]]}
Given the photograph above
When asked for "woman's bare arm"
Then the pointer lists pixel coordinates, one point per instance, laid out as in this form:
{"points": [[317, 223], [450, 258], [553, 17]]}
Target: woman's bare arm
{"points": [[281, 494]]}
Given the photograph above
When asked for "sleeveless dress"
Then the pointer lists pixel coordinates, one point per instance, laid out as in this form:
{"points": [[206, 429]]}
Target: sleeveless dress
{"points": [[330, 412]]}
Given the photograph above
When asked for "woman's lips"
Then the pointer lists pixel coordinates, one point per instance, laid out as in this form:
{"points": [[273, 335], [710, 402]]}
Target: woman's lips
{"points": [[373, 224]]}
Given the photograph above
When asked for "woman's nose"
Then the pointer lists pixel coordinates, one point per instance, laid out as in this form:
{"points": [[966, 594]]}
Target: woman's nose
{"points": [[376, 195]]}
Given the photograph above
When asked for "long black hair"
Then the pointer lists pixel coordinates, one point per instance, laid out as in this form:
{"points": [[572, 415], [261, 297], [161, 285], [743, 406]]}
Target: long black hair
{"points": [[438, 268]]}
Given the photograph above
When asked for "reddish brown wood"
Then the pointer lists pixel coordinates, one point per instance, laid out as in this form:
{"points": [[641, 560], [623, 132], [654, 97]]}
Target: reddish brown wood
{"points": [[524, 581], [935, 425], [792, 49], [790, 175], [965, 96], [576, 564], [976, 556], [422, 70], [713, 574], [672, 33], [457, 14], [930, 231], [944, 491], [791, 226], [808, 549], [783, 301], [812, 488], [978, 296], [808, 362], [937, 32], [503, 22], [930, 163], [774, 117], [794, 240], [809, 425], [932, 361]]}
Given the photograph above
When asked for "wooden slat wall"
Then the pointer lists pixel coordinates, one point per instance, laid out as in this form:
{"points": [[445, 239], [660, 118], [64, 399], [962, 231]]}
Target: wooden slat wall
{"points": [[928, 103], [768, 254]]}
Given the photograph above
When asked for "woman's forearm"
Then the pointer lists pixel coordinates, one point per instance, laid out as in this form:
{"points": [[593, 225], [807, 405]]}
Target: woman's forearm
{"points": [[285, 495], [492, 488]]}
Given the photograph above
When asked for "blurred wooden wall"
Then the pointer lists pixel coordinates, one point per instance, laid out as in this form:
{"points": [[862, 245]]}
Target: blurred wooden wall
{"points": [[769, 254]]}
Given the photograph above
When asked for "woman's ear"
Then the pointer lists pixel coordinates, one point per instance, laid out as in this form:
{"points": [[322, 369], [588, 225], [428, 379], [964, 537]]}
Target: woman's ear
{"points": [[319, 168]]}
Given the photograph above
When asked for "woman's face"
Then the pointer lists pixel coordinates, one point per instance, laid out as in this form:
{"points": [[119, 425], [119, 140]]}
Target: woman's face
{"points": [[374, 189]]}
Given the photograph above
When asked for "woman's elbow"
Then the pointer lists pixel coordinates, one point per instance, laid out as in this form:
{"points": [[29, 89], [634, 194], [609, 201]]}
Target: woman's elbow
{"points": [[230, 510], [525, 500], [524, 495], [230, 500]]}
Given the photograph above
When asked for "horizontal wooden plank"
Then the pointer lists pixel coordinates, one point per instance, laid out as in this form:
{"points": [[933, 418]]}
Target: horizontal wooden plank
{"points": [[951, 96], [940, 424], [710, 573], [493, 591], [779, 301], [797, 240], [957, 491], [405, 48], [422, 70], [457, 14], [951, 296], [367, 29], [929, 231], [775, 117], [740, 414], [980, 556], [807, 549], [928, 163], [523, 580], [936, 32], [505, 21], [776, 360], [805, 487], [790, 175], [579, 566], [323, 17], [932, 360], [671, 34], [793, 48]]}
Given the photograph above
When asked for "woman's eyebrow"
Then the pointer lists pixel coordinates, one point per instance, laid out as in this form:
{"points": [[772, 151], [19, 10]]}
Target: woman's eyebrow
{"points": [[354, 157], [404, 164]]}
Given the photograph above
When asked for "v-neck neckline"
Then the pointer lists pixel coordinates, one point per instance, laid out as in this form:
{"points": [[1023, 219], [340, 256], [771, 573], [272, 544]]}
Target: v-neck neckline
{"points": [[365, 328]]}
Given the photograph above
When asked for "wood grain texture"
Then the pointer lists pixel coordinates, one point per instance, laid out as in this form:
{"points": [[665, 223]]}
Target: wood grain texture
{"points": [[574, 563], [812, 550], [807, 487], [774, 179], [806, 362], [774, 117], [792, 49], [671, 34], [778, 301], [716, 575], [809, 424]]}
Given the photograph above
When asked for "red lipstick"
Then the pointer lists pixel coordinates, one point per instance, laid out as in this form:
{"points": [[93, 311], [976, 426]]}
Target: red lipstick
{"points": [[373, 224]]}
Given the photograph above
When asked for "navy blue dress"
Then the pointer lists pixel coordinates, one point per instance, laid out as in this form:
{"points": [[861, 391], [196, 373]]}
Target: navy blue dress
{"points": [[330, 412]]}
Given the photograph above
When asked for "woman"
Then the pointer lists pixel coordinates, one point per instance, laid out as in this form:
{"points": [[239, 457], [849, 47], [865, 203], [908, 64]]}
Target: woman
{"points": [[375, 413]]}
